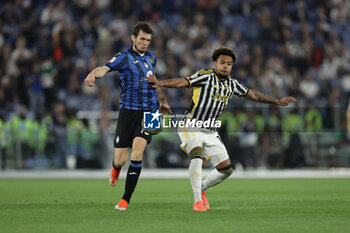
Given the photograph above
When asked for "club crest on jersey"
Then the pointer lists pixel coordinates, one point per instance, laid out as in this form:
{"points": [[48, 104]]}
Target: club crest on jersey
{"points": [[193, 76], [112, 60]]}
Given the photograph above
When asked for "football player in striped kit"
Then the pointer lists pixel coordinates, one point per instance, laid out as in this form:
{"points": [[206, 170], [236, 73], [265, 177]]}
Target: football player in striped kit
{"points": [[212, 89]]}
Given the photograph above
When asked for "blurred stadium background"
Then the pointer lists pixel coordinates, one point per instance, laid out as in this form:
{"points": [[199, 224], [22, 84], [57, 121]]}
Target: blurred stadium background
{"points": [[50, 120]]}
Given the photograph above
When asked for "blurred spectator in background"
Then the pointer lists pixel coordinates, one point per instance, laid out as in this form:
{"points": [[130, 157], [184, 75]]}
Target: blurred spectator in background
{"points": [[21, 127], [271, 141], [292, 127], [35, 90], [105, 136], [74, 128], [89, 147], [309, 88], [60, 134]]}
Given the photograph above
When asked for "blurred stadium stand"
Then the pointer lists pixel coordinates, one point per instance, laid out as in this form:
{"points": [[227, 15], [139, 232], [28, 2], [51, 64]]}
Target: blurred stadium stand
{"points": [[298, 48]]}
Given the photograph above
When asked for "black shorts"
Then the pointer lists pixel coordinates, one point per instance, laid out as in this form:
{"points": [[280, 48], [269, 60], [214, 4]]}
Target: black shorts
{"points": [[129, 126]]}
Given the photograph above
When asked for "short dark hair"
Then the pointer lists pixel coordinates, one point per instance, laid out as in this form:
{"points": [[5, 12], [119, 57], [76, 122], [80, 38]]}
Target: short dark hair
{"points": [[142, 26], [224, 51]]}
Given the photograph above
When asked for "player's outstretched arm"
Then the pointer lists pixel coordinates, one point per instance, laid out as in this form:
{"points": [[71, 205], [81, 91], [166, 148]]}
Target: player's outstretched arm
{"points": [[98, 72], [172, 83], [164, 106], [263, 98]]}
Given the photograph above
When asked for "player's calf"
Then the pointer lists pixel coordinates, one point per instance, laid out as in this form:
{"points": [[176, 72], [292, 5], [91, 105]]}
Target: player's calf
{"points": [[216, 176]]}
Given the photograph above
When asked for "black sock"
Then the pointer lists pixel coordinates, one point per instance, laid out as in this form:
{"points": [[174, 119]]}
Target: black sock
{"points": [[132, 178]]}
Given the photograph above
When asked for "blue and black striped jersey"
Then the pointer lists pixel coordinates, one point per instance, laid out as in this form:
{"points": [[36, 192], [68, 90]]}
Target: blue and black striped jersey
{"points": [[137, 93]]}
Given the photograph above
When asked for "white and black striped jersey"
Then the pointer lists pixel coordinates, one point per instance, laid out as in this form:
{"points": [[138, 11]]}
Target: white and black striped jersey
{"points": [[211, 95]]}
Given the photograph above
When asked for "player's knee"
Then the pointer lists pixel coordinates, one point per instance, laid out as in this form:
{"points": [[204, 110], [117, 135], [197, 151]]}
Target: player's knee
{"points": [[119, 163], [196, 153], [228, 170]]}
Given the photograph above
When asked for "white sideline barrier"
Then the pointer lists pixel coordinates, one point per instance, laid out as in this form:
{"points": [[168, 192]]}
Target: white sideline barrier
{"points": [[174, 173]]}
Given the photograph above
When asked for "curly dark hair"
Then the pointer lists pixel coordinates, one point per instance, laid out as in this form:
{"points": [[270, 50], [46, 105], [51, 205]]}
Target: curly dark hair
{"points": [[224, 51], [145, 27]]}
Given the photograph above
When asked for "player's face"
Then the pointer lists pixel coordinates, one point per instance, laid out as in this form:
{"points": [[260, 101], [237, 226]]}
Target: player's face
{"points": [[141, 41], [223, 65]]}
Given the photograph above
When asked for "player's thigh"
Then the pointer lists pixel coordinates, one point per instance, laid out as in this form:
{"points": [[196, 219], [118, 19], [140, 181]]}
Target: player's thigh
{"points": [[124, 130], [215, 150], [190, 140], [138, 147], [138, 131]]}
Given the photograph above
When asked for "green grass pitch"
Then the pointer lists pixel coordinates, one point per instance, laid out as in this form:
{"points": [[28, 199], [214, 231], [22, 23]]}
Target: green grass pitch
{"points": [[164, 205]]}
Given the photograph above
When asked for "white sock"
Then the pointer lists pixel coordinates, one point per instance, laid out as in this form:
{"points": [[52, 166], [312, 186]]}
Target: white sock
{"points": [[195, 173], [213, 179]]}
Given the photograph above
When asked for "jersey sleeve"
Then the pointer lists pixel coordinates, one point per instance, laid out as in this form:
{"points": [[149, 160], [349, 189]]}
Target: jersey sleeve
{"points": [[118, 62], [200, 78], [239, 89]]}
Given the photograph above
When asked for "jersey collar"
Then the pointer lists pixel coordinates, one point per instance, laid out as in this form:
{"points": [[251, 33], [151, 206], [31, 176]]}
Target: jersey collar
{"points": [[220, 78], [136, 53]]}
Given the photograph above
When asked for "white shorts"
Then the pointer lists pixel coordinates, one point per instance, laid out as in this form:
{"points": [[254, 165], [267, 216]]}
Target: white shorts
{"points": [[213, 148]]}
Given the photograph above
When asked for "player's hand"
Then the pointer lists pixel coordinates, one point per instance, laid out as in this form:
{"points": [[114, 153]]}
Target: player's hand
{"points": [[153, 80], [90, 80], [164, 108], [285, 101]]}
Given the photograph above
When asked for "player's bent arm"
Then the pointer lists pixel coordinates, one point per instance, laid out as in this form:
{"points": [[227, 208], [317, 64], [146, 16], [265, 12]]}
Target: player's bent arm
{"points": [[164, 106], [263, 98], [260, 97], [174, 83], [161, 96], [98, 72]]}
